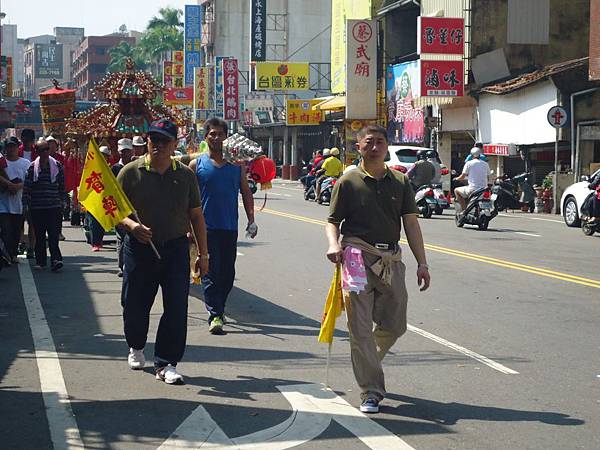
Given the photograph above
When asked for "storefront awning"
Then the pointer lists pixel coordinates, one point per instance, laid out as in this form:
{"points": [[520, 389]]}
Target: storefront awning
{"points": [[333, 103]]}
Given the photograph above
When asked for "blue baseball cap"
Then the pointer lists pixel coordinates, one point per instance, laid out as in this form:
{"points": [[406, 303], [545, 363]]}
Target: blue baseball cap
{"points": [[164, 127]]}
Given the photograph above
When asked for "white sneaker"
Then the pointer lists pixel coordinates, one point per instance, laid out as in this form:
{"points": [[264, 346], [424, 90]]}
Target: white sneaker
{"points": [[136, 359], [169, 375]]}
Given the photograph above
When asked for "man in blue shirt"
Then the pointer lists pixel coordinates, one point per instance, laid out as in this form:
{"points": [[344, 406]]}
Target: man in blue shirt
{"points": [[220, 184]]}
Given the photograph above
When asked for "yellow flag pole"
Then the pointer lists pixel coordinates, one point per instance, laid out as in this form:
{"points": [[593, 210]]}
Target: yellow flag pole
{"points": [[137, 218]]}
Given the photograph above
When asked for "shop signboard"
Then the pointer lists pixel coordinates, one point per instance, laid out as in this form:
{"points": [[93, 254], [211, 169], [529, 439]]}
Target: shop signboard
{"points": [[282, 76], [49, 61], [496, 149], [177, 69], [361, 69], [9, 76], [442, 78], [180, 96], [300, 112], [204, 94], [231, 101], [440, 35], [351, 129], [168, 74], [219, 84], [258, 30], [192, 40], [405, 124]]}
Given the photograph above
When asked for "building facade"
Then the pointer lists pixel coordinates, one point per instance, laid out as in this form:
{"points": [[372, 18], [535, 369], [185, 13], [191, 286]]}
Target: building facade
{"points": [[90, 61]]}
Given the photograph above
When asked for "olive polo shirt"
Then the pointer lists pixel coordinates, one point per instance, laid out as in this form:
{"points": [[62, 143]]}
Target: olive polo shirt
{"points": [[372, 209], [161, 201]]}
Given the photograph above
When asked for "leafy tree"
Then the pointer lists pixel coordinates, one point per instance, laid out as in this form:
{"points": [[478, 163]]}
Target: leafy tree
{"points": [[121, 53], [168, 18]]}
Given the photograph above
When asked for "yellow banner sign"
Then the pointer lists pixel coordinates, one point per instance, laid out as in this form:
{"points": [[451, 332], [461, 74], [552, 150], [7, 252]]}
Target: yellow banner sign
{"points": [[300, 112], [282, 76], [204, 92]]}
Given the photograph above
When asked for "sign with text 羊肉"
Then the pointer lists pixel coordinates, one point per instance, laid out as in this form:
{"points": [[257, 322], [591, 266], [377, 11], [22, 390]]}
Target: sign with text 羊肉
{"points": [[361, 69], [281, 76], [258, 30], [49, 61], [300, 112], [192, 40], [231, 100], [442, 78], [440, 35]]}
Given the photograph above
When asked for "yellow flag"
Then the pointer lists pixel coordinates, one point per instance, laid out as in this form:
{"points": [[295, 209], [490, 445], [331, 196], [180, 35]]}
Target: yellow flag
{"points": [[100, 192], [333, 307]]}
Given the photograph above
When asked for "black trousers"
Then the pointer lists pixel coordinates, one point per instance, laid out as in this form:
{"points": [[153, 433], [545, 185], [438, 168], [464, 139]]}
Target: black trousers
{"points": [[10, 232], [143, 273], [46, 221]]}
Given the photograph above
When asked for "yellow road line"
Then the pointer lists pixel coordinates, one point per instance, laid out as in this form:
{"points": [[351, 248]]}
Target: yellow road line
{"points": [[472, 256]]}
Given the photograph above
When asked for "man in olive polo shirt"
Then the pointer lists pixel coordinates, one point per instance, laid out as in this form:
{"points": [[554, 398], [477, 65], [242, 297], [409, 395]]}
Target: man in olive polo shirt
{"points": [[166, 197], [371, 203]]}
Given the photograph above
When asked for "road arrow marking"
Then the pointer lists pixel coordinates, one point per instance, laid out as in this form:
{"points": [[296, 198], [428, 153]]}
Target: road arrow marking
{"points": [[313, 408]]}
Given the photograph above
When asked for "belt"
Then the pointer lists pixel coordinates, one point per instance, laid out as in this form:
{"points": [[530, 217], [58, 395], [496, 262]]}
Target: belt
{"points": [[385, 246]]}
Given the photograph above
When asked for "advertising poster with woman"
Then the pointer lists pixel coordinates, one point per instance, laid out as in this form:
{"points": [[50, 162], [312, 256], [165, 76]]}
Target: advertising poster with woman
{"points": [[405, 122]]}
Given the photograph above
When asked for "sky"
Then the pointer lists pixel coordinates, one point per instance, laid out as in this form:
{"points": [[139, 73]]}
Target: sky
{"points": [[98, 17]]}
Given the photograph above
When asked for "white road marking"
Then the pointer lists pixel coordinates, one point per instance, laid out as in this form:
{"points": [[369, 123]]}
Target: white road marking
{"points": [[280, 195], [530, 218], [528, 234], [61, 421], [240, 254], [297, 189], [465, 351], [313, 408]]}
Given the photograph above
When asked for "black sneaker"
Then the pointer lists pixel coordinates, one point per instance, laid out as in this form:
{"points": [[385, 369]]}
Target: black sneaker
{"points": [[30, 253], [56, 265], [120, 273], [370, 405]]}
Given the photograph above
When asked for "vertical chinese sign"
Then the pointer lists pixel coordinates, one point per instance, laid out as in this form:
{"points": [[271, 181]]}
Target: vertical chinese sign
{"points": [[177, 69], [361, 69], [258, 33], [203, 88], [219, 85], [9, 76], [231, 106], [168, 74], [192, 41]]}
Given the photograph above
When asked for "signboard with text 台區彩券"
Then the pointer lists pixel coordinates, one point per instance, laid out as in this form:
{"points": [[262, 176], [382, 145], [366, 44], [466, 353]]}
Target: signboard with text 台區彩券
{"points": [[258, 30], [192, 40], [231, 101], [440, 35], [300, 112], [442, 78], [405, 122], [361, 69], [204, 95], [282, 76], [49, 61]]}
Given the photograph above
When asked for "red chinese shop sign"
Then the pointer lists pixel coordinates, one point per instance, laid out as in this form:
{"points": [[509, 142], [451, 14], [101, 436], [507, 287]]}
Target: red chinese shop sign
{"points": [[440, 35], [496, 149], [442, 78], [231, 102]]}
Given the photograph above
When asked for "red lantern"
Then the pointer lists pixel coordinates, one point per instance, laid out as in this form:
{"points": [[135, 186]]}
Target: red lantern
{"points": [[262, 170]]}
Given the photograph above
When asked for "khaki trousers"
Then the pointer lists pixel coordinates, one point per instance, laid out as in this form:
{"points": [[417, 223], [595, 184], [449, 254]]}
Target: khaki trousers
{"points": [[386, 307]]}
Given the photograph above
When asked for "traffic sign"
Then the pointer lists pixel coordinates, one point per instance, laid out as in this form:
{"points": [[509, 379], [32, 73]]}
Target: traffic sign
{"points": [[557, 116]]}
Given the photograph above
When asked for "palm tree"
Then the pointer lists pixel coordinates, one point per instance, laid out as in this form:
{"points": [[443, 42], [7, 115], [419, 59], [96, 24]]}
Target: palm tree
{"points": [[168, 18], [121, 53]]}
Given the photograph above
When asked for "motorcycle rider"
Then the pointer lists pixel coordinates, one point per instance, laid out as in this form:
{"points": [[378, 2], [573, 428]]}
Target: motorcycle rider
{"points": [[433, 157], [476, 171], [422, 172], [315, 165], [592, 206], [332, 167]]}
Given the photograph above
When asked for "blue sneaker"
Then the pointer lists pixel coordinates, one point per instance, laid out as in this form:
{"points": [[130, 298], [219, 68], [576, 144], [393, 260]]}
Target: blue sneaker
{"points": [[370, 405]]}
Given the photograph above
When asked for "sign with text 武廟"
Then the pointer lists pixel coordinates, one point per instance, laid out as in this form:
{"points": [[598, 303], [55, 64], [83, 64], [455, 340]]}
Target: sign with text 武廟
{"points": [[258, 30], [405, 124], [204, 94], [49, 61], [231, 101], [177, 69], [440, 35], [300, 112], [281, 76], [192, 40], [340, 11], [361, 69], [442, 78]]}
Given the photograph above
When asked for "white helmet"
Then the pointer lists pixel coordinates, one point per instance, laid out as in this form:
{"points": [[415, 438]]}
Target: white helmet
{"points": [[326, 152], [475, 152]]}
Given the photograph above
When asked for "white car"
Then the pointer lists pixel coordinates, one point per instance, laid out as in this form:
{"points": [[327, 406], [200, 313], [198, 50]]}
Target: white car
{"points": [[572, 200], [402, 157]]}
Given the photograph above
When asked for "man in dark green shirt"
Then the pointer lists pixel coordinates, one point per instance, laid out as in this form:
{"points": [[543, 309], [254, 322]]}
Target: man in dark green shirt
{"points": [[166, 197], [371, 203]]}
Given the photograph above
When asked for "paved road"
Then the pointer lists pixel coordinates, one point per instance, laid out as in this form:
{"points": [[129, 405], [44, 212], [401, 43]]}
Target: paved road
{"points": [[502, 352]]}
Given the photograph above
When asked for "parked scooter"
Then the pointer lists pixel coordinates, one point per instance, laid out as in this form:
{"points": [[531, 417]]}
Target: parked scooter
{"points": [[425, 200], [480, 210], [310, 190], [505, 196]]}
